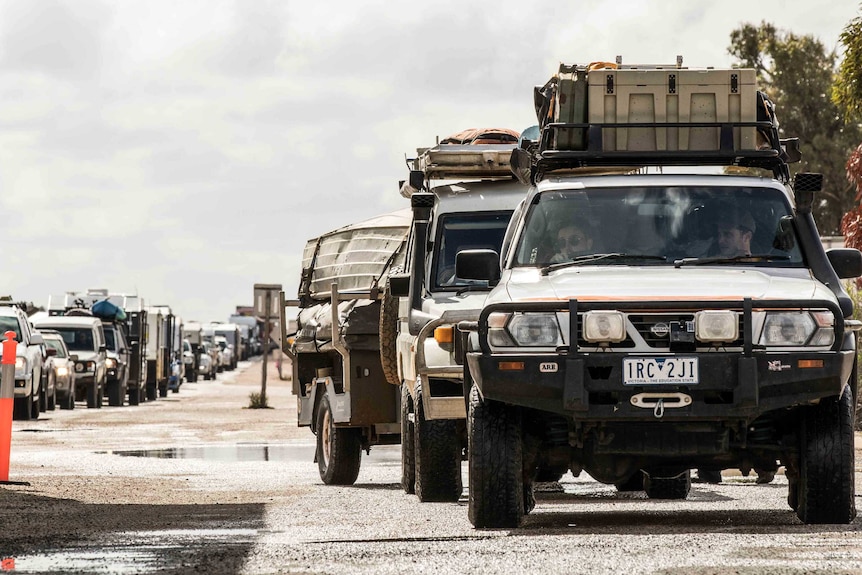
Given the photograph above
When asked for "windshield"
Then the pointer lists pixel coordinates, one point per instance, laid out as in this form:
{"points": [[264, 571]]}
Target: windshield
{"points": [[659, 226], [77, 338], [9, 323], [466, 232], [57, 345]]}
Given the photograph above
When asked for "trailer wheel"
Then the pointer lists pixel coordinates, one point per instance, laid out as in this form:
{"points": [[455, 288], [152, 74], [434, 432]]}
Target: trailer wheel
{"points": [[668, 487], [437, 455], [408, 453], [339, 449], [389, 336], [496, 461], [825, 488]]}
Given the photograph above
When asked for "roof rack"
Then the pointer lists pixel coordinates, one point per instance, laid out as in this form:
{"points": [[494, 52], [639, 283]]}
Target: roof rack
{"points": [[542, 158]]}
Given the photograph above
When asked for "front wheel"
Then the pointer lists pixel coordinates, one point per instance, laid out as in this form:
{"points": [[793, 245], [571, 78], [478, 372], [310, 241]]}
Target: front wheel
{"points": [[408, 453], [339, 449], [496, 461], [437, 456], [825, 490], [93, 395], [36, 405], [115, 394]]}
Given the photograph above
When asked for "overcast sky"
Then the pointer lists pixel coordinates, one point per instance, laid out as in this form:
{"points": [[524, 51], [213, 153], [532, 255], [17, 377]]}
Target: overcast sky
{"points": [[186, 149]]}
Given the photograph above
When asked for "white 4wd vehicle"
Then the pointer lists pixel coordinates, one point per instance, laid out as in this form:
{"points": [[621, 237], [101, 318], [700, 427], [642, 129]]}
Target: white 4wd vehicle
{"points": [[699, 324], [28, 361], [433, 299]]}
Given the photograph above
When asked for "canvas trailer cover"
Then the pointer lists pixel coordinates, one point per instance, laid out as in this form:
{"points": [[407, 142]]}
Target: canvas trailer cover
{"points": [[356, 259]]}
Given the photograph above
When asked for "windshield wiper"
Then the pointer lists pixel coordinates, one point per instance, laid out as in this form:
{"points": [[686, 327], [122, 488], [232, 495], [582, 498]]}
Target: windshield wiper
{"points": [[465, 289], [726, 259], [587, 258]]}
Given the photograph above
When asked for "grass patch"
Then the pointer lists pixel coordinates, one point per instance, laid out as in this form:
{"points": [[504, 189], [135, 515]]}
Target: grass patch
{"points": [[257, 401]]}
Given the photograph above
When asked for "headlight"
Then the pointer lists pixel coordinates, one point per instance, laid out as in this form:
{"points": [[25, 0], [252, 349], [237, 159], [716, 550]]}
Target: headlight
{"points": [[20, 366], [604, 326], [62, 371], [716, 326], [797, 328], [535, 330], [110, 363], [79, 367]]}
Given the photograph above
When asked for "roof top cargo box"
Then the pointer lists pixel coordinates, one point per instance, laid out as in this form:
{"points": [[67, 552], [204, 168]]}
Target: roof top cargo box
{"points": [[669, 95]]}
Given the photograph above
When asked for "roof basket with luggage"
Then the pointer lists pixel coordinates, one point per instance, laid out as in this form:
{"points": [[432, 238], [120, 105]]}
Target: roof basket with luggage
{"points": [[476, 153], [610, 114]]}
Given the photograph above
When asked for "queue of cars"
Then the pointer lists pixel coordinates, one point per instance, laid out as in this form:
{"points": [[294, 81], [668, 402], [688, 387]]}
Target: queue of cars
{"points": [[97, 345]]}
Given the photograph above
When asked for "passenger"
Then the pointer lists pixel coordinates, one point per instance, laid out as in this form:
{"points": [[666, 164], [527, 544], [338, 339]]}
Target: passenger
{"points": [[735, 229], [572, 241]]}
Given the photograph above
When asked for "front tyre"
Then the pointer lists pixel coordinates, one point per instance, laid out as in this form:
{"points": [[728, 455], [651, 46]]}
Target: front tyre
{"points": [[339, 449], [496, 461], [825, 487], [408, 453], [437, 456]]}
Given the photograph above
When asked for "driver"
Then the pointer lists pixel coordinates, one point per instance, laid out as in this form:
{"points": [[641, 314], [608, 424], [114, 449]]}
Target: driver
{"points": [[735, 229], [572, 241]]}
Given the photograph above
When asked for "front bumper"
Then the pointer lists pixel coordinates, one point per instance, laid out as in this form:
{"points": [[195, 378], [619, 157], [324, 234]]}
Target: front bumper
{"points": [[590, 387], [733, 385]]}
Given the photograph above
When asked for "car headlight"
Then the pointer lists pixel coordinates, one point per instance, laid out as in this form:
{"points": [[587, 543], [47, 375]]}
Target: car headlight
{"points": [[604, 326], [797, 328], [524, 329], [62, 371], [79, 367], [110, 363], [716, 326], [20, 366]]}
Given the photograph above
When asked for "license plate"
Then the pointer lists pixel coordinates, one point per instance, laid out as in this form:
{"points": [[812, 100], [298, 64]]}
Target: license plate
{"points": [[659, 370]]}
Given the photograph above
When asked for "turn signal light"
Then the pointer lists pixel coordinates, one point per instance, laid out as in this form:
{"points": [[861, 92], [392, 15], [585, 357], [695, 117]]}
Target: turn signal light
{"points": [[810, 363], [511, 366], [445, 334]]}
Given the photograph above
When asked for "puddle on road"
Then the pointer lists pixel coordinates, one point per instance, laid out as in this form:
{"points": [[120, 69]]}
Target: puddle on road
{"points": [[132, 558], [252, 452]]}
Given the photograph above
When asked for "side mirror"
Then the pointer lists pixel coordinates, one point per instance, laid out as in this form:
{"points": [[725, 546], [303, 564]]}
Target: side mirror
{"points": [[36, 339], [478, 265], [399, 285], [847, 262], [103, 348], [74, 357]]}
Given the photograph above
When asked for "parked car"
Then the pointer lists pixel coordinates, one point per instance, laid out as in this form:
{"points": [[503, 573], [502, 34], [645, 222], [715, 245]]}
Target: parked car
{"points": [[84, 336], [29, 361], [116, 363], [61, 368], [208, 364], [226, 361]]}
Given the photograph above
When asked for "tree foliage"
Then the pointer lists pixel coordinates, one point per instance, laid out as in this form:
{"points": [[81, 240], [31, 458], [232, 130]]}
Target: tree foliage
{"points": [[847, 94], [851, 223], [797, 73]]}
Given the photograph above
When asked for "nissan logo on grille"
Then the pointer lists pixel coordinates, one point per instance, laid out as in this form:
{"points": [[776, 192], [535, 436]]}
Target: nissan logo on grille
{"points": [[660, 329]]}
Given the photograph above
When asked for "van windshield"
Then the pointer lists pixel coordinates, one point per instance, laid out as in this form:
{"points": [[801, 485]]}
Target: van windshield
{"points": [[659, 225]]}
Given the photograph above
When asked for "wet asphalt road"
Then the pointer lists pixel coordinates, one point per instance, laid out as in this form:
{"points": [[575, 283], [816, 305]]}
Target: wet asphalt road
{"points": [[197, 483]]}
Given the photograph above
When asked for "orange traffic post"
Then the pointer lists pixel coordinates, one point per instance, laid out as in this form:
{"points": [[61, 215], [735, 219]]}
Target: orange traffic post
{"points": [[7, 404], [7, 401]]}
